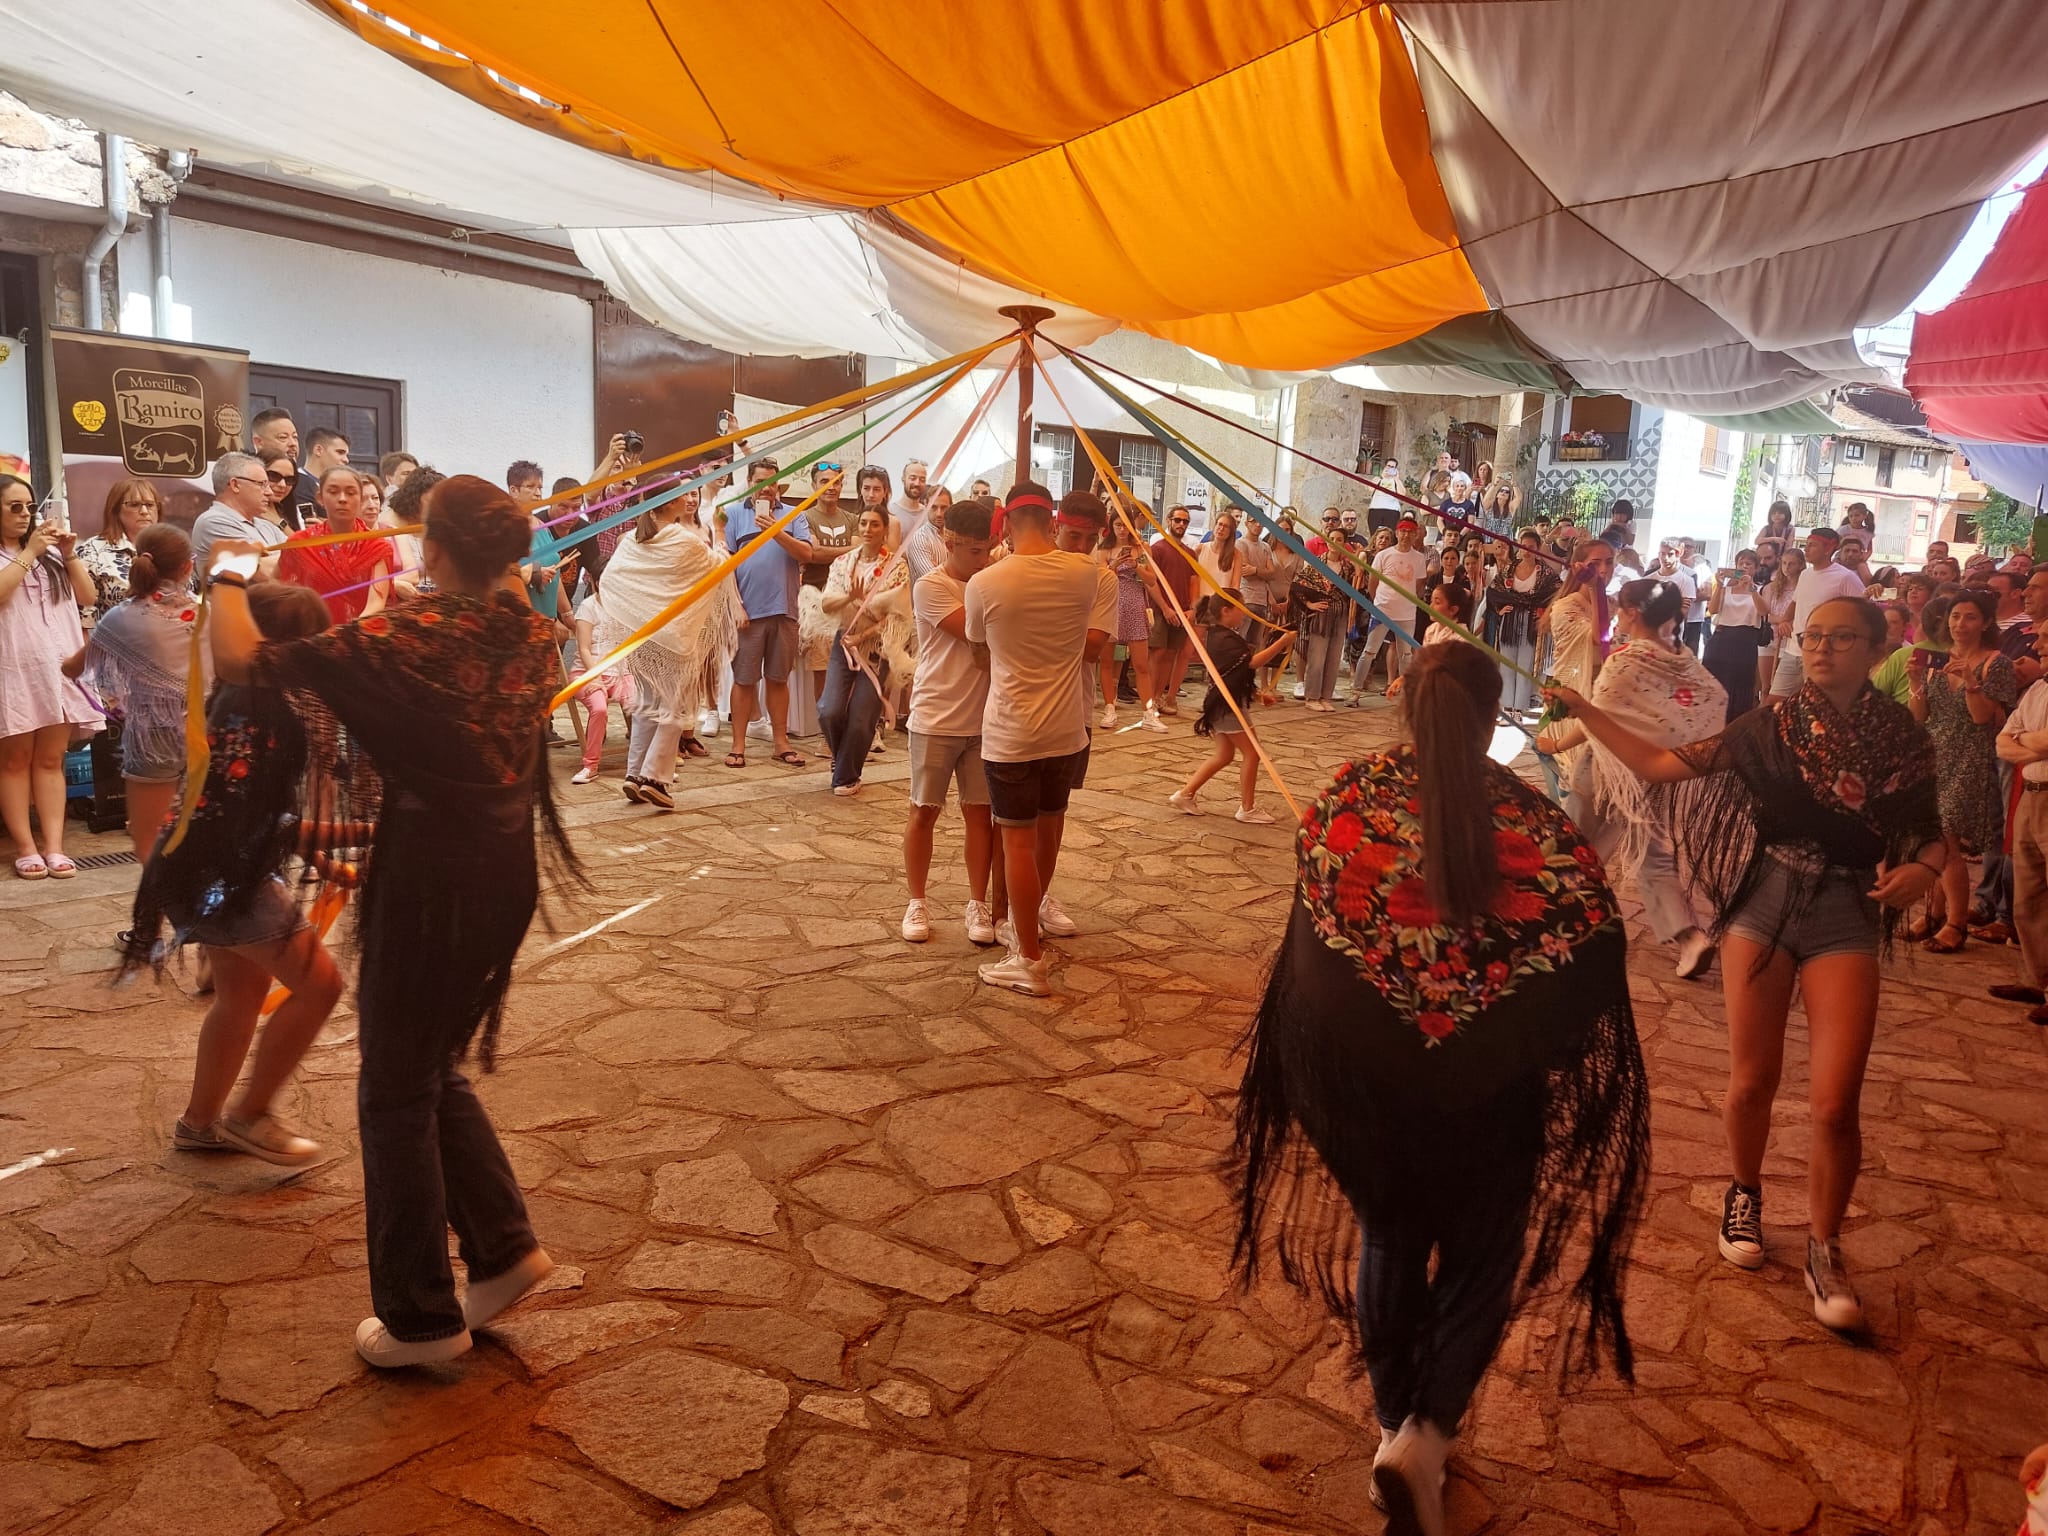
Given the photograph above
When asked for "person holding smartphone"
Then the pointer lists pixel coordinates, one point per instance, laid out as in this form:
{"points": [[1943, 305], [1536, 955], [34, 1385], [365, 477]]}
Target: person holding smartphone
{"points": [[1739, 633]]}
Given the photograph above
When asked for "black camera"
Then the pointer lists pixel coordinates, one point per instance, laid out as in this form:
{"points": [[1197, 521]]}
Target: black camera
{"points": [[634, 441]]}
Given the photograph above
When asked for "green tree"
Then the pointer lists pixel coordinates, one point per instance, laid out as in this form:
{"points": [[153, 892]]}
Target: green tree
{"points": [[1745, 494], [2004, 524]]}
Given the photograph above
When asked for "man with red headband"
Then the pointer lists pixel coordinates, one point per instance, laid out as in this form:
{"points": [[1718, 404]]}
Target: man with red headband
{"points": [[1044, 615]]}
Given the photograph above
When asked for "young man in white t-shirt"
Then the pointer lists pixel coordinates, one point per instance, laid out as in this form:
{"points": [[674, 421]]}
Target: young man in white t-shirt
{"points": [[946, 702], [1821, 582], [1044, 615], [1406, 564]]}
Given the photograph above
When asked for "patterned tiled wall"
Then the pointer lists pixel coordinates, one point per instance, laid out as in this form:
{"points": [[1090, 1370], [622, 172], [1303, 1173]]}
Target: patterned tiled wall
{"points": [[1635, 478]]}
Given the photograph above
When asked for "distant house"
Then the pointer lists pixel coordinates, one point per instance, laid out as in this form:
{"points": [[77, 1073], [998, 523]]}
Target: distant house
{"points": [[1679, 471], [1916, 485]]}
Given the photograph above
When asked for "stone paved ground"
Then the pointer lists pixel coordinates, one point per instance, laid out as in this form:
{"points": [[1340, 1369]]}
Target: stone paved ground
{"points": [[854, 1247]]}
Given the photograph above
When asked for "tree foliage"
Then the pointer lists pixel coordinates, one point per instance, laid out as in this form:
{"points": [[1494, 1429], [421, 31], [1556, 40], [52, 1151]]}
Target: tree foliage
{"points": [[2004, 524]]}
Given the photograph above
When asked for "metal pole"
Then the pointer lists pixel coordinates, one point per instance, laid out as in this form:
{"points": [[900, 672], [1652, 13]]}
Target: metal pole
{"points": [[1028, 317]]}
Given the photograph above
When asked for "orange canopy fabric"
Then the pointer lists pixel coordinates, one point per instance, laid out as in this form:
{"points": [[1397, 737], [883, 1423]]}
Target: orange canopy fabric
{"points": [[1101, 155]]}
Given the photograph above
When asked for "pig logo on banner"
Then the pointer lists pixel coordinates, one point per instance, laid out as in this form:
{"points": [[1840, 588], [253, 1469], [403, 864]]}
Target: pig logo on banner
{"points": [[163, 421]]}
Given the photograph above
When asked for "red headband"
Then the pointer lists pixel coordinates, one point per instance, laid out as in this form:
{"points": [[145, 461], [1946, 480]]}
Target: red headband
{"points": [[1028, 499], [1072, 522]]}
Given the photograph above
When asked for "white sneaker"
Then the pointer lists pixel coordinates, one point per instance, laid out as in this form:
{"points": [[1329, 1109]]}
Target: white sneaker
{"points": [[1053, 921], [1301, 690], [1106, 721], [1151, 721], [375, 1344], [981, 928], [1184, 802], [1006, 935], [1254, 817], [583, 776], [485, 1299], [917, 927], [1408, 1475], [1018, 974], [846, 790], [1834, 1300], [707, 724], [1695, 954]]}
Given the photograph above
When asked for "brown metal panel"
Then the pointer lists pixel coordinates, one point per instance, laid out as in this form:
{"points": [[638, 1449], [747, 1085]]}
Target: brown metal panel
{"points": [[671, 391]]}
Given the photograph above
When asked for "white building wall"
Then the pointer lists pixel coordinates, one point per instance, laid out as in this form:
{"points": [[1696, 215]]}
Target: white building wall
{"points": [[492, 371], [1692, 502]]}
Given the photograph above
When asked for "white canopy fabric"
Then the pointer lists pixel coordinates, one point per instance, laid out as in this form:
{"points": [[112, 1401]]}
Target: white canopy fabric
{"points": [[279, 85], [813, 287]]}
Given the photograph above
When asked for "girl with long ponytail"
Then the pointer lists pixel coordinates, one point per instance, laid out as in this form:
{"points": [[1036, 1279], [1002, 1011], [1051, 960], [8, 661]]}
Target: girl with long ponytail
{"points": [[1447, 1036], [137, 658]]}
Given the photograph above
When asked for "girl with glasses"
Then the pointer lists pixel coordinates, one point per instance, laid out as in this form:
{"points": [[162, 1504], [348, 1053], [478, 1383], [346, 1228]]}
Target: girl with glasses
{"points": [[1806, 828]]}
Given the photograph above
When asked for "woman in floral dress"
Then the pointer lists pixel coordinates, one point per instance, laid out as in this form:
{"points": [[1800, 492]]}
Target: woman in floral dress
{"points": [[1963, 705], [1447, 1036]]}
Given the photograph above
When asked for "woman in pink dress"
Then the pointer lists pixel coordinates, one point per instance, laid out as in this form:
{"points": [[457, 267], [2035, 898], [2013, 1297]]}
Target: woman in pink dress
{"points": [[43, 585]]}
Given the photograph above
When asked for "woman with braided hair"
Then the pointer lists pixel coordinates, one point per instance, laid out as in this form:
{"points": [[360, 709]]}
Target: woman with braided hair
{"points": [[448, 695]]}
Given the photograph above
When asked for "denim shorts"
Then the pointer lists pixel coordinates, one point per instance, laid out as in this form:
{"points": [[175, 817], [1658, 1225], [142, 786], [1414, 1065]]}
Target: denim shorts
{"points": [[1020, 793], [1840, 919], [271, 915], [150, 768]]}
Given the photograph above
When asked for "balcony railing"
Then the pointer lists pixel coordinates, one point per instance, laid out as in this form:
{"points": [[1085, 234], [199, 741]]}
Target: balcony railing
{"points": [[1613, 448], [1717, 462]]}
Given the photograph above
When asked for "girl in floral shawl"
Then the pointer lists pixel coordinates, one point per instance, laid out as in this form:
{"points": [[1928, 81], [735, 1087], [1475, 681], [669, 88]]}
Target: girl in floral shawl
{"points": [[1805, 827], [1447, 1039]]}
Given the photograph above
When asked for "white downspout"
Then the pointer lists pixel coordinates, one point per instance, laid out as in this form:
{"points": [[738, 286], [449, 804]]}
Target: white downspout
{"points": [[114, 161], [178, 163]]}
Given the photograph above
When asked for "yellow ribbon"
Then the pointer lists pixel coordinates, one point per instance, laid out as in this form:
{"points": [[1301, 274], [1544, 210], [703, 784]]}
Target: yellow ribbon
{"points": [[198, 756], [1104, 468]]}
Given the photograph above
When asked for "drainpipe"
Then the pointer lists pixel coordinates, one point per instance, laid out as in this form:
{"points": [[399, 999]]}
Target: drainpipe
{"points": [[178, 164], [114, 160]]}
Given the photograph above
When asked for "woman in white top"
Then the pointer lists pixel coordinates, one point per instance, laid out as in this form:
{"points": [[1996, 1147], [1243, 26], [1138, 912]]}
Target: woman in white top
{"points": [[1739, 632], [1223, 559], [1776, 600], [663, 558], [1385, 508], [868, 593], [1666, 696]]}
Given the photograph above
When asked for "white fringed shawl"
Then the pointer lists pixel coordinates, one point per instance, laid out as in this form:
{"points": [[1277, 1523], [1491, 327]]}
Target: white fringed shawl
{"points": [[640, 580], [1668, 698]]}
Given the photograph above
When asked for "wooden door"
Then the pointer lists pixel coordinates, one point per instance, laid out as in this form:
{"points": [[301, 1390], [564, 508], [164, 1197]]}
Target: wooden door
{"points": [[368, 412]]}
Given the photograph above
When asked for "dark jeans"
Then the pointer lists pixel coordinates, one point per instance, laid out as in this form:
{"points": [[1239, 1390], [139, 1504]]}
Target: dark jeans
{"points": [[430, 1157], [849, 711], [1429, 1340], [1694, 631]]}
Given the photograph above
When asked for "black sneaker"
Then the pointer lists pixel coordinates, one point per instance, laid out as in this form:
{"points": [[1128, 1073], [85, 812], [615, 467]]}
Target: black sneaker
{"points": [[657, 794], [1834, 1300], [1742, 1227], [631, 789]]}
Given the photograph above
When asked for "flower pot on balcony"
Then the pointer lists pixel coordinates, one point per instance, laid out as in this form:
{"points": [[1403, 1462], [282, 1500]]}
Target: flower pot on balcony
{"points": [[1579, 451]]}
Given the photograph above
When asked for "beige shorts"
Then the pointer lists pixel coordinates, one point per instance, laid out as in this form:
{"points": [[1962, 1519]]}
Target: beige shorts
{"points": [[939, 761]]}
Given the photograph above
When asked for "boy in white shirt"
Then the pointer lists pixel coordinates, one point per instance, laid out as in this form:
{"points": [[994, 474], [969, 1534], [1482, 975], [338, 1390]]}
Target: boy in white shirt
{"points": [[1821, 582], [947, 698]]}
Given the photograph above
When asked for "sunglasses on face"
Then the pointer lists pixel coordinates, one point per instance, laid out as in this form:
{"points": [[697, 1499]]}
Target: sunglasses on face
{"points": [[277, 479]]}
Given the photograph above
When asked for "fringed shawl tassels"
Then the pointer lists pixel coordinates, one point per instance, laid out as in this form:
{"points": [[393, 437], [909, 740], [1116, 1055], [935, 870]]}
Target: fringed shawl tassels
{"points": [[1663, 694], [1379, 1024]]}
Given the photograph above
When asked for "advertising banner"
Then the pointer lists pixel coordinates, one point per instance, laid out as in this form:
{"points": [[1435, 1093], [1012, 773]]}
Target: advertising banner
{"points": [[137, 406]]}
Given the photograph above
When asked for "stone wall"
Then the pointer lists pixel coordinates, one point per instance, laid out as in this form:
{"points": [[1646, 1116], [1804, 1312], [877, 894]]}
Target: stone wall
{"points": [[1326, 424], [54, 163]]}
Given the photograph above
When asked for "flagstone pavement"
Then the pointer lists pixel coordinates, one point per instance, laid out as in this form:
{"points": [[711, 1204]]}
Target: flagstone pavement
{"points": [[852, 1246]]}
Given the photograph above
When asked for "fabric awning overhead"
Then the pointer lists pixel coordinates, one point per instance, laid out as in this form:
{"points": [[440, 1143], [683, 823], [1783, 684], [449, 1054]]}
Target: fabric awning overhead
{"points": [[1979, 366], [1695, 205]]}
